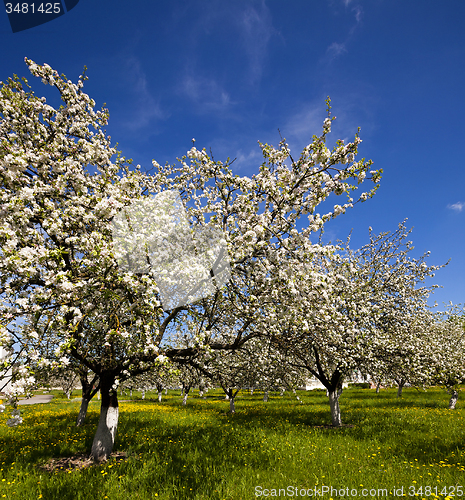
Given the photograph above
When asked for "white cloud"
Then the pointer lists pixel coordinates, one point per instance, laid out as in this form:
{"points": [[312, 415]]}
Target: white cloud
{"points": [[250, 160], [252, 30], [301, 126], [358, 13], [205, 92], [357, 9], [146, 106], [458, 207], [336, 49], [256, 30], [351, 107], [241, 147]]}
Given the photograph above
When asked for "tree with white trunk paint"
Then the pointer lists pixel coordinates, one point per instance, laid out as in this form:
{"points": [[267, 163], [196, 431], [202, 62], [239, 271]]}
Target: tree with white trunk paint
{"points": [[159, 377], [269, 369], [343, 310], [445, 351], [61, 190], [65, 379], [254, 364], [230, 370], [403, 359], [189, 377]]}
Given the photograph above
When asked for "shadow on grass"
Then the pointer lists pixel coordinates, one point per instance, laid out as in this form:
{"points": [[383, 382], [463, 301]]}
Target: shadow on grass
{"points": [[402, 424], [185, 447]]}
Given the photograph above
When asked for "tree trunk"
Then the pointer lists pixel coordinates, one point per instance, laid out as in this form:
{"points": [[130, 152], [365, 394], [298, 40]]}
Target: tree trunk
{"points": [[143, 393], [82, 412], [130, 393], [251, 391], [166, 392], [186, 394], [89, 390], [265, 397], [453, 400], [231, 396], [295, 394], [334, 405], [160, 391], [399, 389], [105, 436], [377, 387]]}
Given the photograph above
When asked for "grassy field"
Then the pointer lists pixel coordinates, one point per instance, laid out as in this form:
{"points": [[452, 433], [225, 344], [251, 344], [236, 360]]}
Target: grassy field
{"points": [[279, 448]]}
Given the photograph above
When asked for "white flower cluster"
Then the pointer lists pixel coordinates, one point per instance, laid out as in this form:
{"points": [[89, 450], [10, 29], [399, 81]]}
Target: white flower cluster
{"points": [[20, 386], [80, 297]]}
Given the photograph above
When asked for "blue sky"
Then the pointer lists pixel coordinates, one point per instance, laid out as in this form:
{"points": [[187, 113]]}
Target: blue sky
{"points": [[231, 73]]}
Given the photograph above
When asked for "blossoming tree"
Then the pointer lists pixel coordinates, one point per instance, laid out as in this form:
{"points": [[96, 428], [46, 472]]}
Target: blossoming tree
{"points": [[341, 310], [445, 351], [63, 185]]}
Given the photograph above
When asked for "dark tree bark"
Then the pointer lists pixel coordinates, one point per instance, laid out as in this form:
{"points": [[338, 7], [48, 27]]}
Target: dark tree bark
{"points": [[89, 390]]}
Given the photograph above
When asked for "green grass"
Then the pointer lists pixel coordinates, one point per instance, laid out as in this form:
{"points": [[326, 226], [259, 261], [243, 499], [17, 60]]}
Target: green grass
{"points": [[201, 452]]}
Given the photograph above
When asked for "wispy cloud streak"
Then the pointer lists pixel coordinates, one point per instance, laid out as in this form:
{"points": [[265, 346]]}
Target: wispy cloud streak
{"points": [[147, 107], [256, 31], [458, 207], [337, 49], [205, 92]]}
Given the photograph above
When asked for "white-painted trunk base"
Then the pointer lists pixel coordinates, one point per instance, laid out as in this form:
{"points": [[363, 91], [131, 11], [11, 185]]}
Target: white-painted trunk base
{"points": [[295, 394], [335, 410], [105, 436], [453, 400]]}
